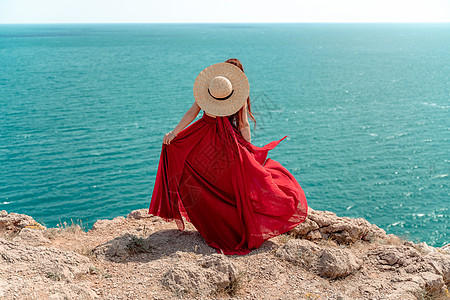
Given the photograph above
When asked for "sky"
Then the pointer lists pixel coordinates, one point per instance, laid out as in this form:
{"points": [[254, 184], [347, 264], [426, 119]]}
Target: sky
{"points": [[222, 11]]}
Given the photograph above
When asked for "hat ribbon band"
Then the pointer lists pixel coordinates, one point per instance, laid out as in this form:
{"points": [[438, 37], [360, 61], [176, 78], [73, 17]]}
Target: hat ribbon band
{"points": [[224, 98]]}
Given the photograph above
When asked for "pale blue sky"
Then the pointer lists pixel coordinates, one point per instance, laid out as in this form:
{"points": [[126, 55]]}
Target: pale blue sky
{"points": [[150, 11]]}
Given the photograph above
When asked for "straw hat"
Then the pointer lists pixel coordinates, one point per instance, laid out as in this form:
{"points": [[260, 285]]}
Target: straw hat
{"points": [[221, 89]]}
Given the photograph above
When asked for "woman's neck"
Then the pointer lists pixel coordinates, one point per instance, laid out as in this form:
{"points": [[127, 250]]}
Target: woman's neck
{"points": [[210, 115]]}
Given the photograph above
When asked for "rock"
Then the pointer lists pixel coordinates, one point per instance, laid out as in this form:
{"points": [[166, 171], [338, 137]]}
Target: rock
{"points": [[186, 278], [304, 228], [337, 263], [314, 235], [121, 248], [326, 224], [3, 287], [417, 266], [139, 214], [44, 261], [106, 223], [327, 262], [181, 255], [221, 264], [390, 257], [14, 222], [56, 290], [433, 283], [322, 218], [32, 237], [182, 262], [445, 249], [83, 291], [346, 230], [201, 277], [423, 247], [302, 252], [441, 265], [425, 284]]}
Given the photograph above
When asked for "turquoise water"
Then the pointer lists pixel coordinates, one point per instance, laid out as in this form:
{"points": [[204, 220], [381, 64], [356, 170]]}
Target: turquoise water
{"points": [[83, 110]]}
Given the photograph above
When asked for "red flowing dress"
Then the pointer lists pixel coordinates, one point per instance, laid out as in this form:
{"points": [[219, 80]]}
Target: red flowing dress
{"points": [[233, 194]]}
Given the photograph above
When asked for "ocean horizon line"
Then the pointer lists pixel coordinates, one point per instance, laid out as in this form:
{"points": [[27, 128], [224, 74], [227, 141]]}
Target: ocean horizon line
{"points": [[196, 23]]}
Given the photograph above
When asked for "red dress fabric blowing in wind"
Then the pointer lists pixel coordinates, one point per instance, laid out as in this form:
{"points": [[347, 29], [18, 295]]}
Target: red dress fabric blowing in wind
{"points": [[234, 195]]}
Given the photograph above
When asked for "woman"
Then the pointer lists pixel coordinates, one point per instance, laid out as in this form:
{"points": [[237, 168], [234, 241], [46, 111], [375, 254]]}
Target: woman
{"points": [[211, 174]]}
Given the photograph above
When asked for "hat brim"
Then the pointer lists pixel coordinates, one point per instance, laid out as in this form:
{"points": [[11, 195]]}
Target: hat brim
{"points": [[239, 82]]}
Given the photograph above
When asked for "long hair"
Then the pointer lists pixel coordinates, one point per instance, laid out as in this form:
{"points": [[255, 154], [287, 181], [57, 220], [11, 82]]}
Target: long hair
{"points": [[236, 118]]}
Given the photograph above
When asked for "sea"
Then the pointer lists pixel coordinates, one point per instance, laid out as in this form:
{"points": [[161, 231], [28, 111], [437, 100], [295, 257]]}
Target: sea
{"points": [[366, 107]]}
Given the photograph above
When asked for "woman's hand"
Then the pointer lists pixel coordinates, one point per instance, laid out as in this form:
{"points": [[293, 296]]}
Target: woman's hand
{"points": [[168, 137], [188, 117]]}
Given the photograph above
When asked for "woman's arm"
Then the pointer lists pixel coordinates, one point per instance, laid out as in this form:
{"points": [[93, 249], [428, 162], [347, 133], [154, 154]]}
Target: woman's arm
{"points": [[245, 126], [246, 133], [188, 117]]}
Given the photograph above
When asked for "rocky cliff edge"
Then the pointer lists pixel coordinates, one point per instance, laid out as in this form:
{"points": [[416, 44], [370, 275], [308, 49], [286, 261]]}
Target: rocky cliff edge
{"points": [[143, 257]]}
